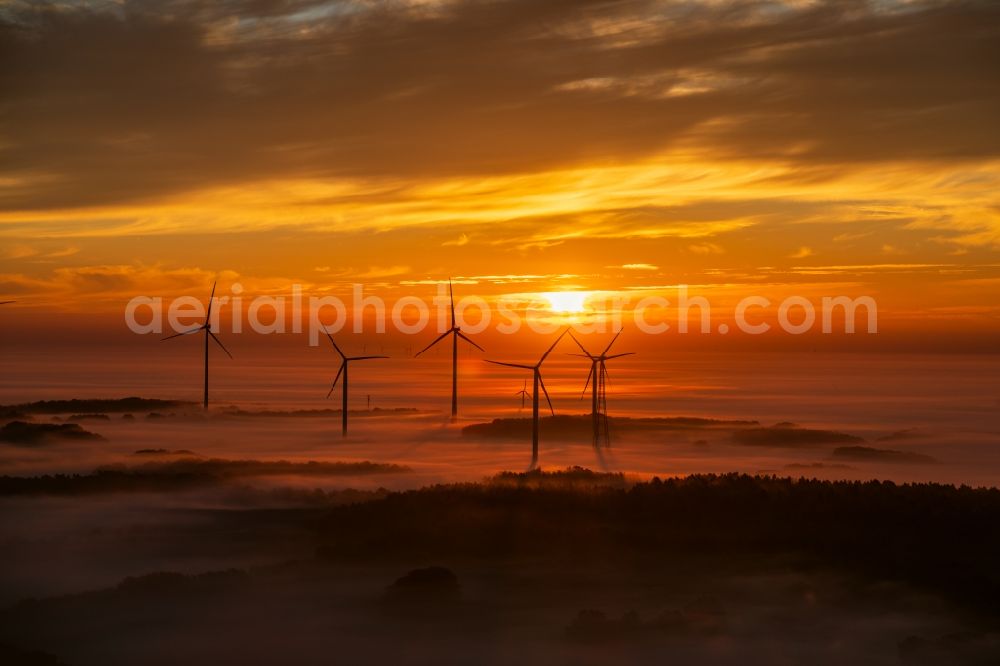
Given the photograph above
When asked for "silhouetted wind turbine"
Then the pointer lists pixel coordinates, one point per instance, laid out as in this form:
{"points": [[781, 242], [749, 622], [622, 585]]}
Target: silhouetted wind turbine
{"points": [[536, 371], [523, 393], [207, 327], [456, 333], [597, 380], [344, 361]]}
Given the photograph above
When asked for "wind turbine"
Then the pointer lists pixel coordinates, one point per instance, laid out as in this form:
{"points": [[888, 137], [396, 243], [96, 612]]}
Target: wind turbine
{"points": [[523, 393], [598, 380], [536, 371], [207, 327], [456, 333], [344, 361]]}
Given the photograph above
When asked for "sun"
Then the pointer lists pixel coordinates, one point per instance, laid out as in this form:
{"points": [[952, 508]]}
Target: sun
{"points": [[571, 302]]}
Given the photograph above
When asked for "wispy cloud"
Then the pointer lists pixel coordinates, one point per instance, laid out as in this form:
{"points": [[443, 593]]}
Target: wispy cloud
{"points": [[871, 268], [706, 248], [463, 239], [588, 148], [381, 272], [787, 80], [36, 253]]}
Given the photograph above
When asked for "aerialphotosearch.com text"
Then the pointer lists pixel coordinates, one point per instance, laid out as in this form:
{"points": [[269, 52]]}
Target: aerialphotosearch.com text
{"points": [[412, 315]]}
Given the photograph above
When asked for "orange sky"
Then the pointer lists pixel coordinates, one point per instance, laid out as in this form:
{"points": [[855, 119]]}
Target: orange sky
{"points": [[770, 148]]}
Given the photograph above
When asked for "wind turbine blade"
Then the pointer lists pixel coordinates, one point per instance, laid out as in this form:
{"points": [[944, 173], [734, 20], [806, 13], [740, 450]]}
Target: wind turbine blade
{"points": [[451, 295], [585, 352], [7, 302], [463, 336], [208, 315], [608, 358], [337, 378], [612, 342], [363, 358], [334, 343], [549, 350], [587, 385], [582, 356], [177, 335], [437, 340], [512, 365], [542, 384], [219, 342]]}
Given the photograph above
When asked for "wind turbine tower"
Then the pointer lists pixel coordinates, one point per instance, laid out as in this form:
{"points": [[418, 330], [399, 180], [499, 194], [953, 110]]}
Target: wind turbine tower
{"points": [[345, 361], [455, 332], [597, 380], [207, 327], [536, 373]]}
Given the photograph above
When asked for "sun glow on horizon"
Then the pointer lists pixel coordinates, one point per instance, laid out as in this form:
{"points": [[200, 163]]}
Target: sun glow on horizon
{"points": [[568, 302]]}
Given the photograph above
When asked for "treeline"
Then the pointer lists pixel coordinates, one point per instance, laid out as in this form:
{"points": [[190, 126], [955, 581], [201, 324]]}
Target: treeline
{"points": [[181, 475], [100, 405], [941, 537], [580, 426], [22, 433], [297, 413]]}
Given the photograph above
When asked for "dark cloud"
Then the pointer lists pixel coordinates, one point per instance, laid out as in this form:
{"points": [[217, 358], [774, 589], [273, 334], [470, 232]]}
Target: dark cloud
{"points": [[134, 102]]}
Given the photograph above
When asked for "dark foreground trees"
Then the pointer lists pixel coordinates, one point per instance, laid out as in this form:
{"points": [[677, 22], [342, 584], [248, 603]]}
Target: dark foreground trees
{"points": [[942, 538]]}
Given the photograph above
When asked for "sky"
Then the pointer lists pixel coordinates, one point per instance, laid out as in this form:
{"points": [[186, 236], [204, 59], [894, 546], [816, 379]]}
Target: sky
{"points": [[758, 147]]}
